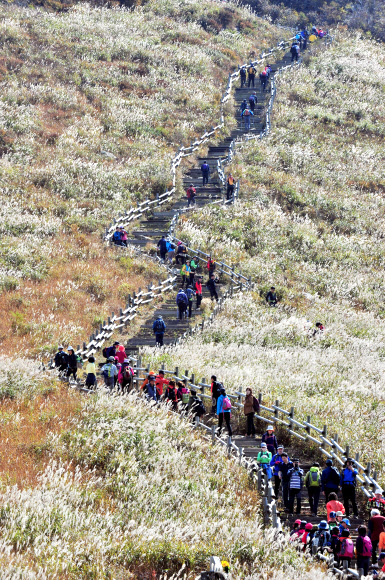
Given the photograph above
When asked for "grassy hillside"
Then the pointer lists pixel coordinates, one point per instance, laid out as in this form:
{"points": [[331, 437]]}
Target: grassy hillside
{"points": [[311, 222], [76, 86], [130, 492]]}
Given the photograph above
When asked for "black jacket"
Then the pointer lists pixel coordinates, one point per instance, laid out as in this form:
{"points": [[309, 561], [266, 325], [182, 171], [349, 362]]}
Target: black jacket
{"points": [[211, 285], [72, 361], [61, 359]]}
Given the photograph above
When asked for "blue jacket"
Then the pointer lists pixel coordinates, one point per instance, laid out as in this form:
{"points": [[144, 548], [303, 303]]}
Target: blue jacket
{"points": [[162, 245], [151, 391], [161, 328], [220, 405], [276, 463], [348, 477], [189, 293], [330, 478], [205, 168], [181, 297]]}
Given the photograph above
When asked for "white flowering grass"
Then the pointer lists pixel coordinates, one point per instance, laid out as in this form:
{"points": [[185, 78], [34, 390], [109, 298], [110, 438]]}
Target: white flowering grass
{"points": [[143, 493]]}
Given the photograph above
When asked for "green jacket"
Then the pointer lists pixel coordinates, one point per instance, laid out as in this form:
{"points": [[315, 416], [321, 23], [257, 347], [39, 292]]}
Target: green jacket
{"points": [[264, 457]]}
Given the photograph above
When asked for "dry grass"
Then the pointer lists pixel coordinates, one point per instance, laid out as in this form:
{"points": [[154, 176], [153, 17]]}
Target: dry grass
{"points": [[25, 428]]}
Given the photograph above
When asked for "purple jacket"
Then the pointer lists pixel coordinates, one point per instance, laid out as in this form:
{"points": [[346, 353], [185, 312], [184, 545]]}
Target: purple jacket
{"points": [[271, 442]]}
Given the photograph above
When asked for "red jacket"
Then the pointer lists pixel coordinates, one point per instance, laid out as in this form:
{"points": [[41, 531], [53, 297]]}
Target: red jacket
{"points": [[198, 288], [159, 382], [120, 355]]}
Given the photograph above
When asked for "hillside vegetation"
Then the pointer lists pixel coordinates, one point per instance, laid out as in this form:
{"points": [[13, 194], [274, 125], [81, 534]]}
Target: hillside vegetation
{"points": [[94, 102], [311, 222], [130, 492]]}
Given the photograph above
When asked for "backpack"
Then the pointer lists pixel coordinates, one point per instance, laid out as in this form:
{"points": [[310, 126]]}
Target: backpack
{"points": [[79, 361], [159, 326], [263, 73], [200, 409], [335, 476], [251, 99], [104, 352], [181, 298], [127, 373], [171, 394], [251, 70], [106, 372], [367, 547], [313, 479], [226, 405], [185, 398], [293, 49], [246, 113], [347, 548]]}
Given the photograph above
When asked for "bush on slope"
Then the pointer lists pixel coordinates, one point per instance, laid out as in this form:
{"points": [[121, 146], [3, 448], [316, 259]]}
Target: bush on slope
{"points": [[310, 221]]}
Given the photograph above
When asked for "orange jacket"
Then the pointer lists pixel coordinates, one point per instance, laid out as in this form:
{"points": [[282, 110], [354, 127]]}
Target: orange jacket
{"points": [[334, 506], [159, 382]]}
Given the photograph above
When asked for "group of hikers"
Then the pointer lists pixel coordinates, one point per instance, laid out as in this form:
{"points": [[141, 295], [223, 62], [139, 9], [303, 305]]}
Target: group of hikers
{"points": [[248, 74]]}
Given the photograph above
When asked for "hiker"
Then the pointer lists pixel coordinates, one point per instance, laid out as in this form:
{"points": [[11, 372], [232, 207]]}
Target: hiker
{"points": [[268, 70], [125, 374], [91, 373], [181, 301], [171, 395], [242, 74], [270, 439], [72, 363], [247, 114], [348, 486], [344, 525], [333, 505], [298, 38], [185, 272], [375, 528], [191, 193], [253, 101], [212, 288], [330, 480], [381, 540], [230, 187], [363, 550], [377, 502], [334, 543], [283, 475], [271, 297], [181, 253], [318, 328], [117, 237], [313, 484], [250, 407], [150, 389], [159, 328], [170, 252], [314, 30], [146, 379], [223, 411], [160, 382], [109, 372], [190, 296], [295, 475], [263, 78], [110, 350], [195, 406], [215, 388], [321, 538], [264, 459], [332, 520], [205, 168], [305, 36], [346, 552], [120, 354], [198, 292], [275, 463], [243, 106], [296, 528], [211, 265], [307, 536], [251, 75], [123, 236], [61, 359], [194, 264], [294, 51], [162, 245], [183, 394]]}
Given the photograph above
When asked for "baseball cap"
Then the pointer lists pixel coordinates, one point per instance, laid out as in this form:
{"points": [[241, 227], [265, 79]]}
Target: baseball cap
{"points": [[346, 521], [263, 445], [339, 514], [381, 556], [332, 514]]}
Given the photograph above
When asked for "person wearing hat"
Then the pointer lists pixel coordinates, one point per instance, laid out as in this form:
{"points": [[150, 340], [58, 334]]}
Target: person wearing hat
{"points": [[263, 460], [171, 394], [376, 502], [375, 528], [125, 374], [344, 525], [339, 517], [332, 520], [194, 263], [72, 363], [295, 476], [298, 533], [330, 480], [321, 538], [109, 372], [270, 439], [198, 291], [120, 354], [275, 463], [150, 389], [61, 359], [159, 328], [313, 484], [348, 486], [296, 527], [346, 552], [110, 350]]}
